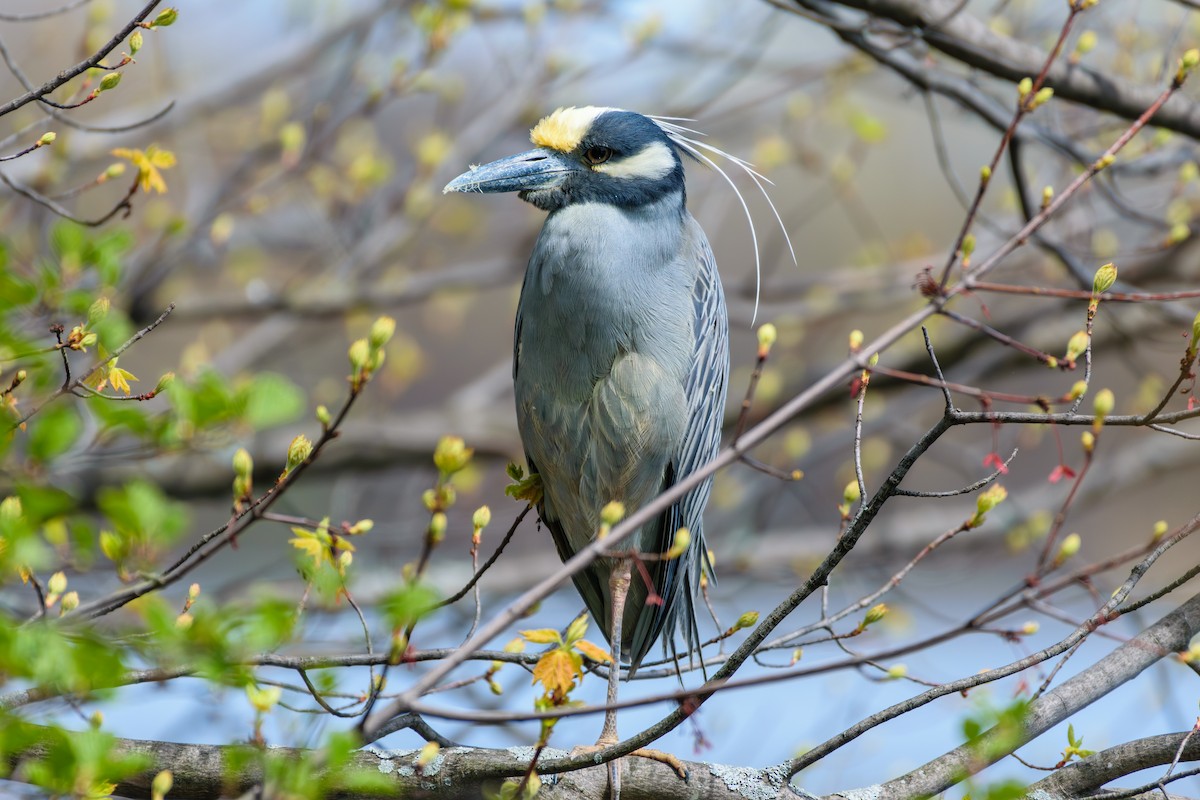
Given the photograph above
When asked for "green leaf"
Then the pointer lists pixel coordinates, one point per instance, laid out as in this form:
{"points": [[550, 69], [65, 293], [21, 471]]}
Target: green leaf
{"points": [[41, 503], [128, 417], [52, 432], [141, 510], [408, 604], [269, 624], [16, 291], [272, 399]]}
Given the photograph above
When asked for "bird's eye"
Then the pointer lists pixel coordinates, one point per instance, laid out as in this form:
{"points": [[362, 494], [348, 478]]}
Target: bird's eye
{"points": [[597, 155]]}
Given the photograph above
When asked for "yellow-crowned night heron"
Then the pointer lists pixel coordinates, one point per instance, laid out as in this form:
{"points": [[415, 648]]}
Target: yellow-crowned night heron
{"points": [[621, 357]]}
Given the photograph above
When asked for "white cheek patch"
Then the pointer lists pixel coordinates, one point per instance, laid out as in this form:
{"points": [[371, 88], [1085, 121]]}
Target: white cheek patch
{"points": [[652, 162]]}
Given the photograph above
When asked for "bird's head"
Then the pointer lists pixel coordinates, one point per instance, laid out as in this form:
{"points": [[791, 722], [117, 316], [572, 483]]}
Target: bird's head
{"points": [[583, 155]]}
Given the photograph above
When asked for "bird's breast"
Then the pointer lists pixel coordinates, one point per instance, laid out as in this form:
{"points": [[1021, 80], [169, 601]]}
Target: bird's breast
{"points": [[603, 350]]}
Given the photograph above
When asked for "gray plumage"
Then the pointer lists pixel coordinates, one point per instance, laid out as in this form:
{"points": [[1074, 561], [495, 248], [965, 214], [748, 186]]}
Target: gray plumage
{"points": [[620, 355]]}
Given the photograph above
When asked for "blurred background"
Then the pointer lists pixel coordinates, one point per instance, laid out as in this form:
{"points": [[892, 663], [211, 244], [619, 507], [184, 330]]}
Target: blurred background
{"points": [[312, 140]]}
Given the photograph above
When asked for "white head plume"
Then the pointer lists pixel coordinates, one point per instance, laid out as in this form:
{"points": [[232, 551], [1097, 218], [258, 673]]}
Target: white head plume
{"points": [[683, 137]]}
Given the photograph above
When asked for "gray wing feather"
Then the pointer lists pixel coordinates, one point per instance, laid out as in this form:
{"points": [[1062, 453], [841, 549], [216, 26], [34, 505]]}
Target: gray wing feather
{"points": [[705, 389]]}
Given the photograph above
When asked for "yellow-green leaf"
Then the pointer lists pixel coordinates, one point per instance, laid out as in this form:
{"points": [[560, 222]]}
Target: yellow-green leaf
{"points": [[313, 547], [120, 378], [594, 652], [556, 671], [542, 636]]}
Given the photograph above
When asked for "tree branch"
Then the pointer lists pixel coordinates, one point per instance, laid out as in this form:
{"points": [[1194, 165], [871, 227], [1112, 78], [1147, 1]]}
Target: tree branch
{"points": [[1169, 635], [962, 36], [1088, 774]]}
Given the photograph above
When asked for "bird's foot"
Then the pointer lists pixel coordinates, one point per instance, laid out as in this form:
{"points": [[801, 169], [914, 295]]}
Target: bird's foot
{"points": [[614, 766], [663, 758]]}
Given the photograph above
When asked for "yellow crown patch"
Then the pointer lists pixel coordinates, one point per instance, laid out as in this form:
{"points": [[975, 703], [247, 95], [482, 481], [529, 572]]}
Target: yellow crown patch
{"points": [[565, 128]]}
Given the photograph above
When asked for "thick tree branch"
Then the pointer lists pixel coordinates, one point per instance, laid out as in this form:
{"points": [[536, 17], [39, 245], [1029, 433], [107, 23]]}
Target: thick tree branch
{"points": [[1165, 637], [202, 772], [945, 27], [1091, 773]]}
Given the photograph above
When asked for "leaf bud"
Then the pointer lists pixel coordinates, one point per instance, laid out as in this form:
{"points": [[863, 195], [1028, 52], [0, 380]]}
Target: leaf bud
{"points": [[451, 455], [263, 699], [243, 463], [1076, 346], [359, 354], [70, 602], [985, 173], [428, 753], [381, 332], [47, 138], [10, 509], [1078, 390], [680, 544], [165, 18], [856, 340], [612, 513], [1160, 528], [897, 671], [1106, 276], [1047, 195], [1069, 547], [110, 81], [1030, 628], [767, 334], [985, 502], [851, 494], [323, 416], [161, 784], [1042, 97], [481, 518], [1103, 404], [298, 451], [135, 42], [1024, 87], [57, 583], [874, 614], [747, 620], [111, 545], [437, 527], [1088, 440]]}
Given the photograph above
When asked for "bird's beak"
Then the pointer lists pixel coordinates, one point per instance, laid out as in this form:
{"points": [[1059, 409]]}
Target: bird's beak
{"points": [[537, 169]]}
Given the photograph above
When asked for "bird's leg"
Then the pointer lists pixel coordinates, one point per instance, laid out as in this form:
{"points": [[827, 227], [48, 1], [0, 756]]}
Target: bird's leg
{"points": [[618, 589], [618, 585]]}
